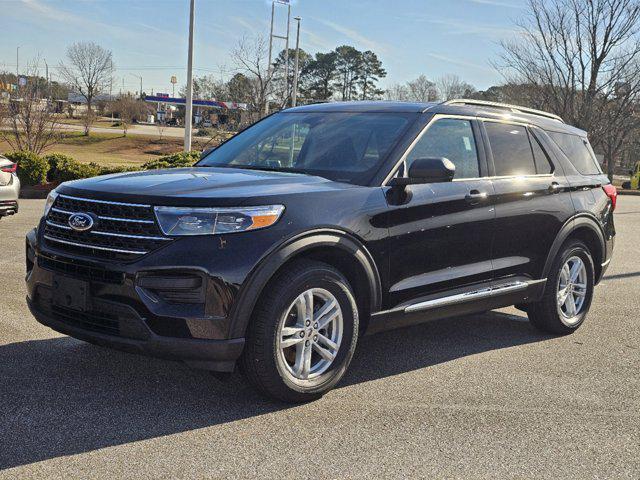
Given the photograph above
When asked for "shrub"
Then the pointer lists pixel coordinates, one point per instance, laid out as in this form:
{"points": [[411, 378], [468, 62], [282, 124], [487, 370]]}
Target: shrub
{"points": [[63, 168], [57, 162], [204, 132], [177, 160], [118, 169], [32, 169]]}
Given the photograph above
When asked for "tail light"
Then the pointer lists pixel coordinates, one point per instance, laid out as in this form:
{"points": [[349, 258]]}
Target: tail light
{"points": [[612, 193], [10, 168]]}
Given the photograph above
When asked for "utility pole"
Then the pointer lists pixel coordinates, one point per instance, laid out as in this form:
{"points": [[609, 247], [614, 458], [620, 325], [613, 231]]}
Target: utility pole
{"points": [[286, 52], [189, 102], [266, 103], [140, 77], [294, 95], [17, 71]]}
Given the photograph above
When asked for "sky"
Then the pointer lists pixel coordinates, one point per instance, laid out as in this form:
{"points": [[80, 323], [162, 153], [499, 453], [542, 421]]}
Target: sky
{"points": [[148, 38]]}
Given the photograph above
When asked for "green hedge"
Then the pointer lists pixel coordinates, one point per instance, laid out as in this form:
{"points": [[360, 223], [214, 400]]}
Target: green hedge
{"points": [[32, 169], [57, 167], [177, 160]]}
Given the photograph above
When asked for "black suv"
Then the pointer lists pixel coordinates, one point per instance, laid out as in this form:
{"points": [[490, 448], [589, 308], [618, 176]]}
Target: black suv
{"points": [[322, 223]]}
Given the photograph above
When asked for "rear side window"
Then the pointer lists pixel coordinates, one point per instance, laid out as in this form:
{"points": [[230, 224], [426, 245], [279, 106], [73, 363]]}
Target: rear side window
{"points": [[453, 139], [578, 151], [512, 154]]}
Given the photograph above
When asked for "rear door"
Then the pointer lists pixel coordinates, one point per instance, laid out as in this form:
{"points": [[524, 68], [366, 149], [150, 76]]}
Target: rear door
{"points": [[441, 233], [532, 198]]}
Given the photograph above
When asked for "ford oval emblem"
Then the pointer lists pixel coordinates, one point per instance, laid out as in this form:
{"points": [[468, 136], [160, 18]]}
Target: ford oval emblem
{"points": [[80, 222]]}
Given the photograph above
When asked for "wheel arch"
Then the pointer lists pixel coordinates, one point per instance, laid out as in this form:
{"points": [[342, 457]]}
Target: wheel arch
{"points": [[587, 229], [335, 247]]}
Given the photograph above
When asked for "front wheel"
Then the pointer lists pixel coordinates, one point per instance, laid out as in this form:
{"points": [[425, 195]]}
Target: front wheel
{"points": [[568, 292], [302, 334]]}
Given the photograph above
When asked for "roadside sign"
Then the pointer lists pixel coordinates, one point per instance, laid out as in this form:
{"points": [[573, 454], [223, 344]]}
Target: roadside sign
{"points": [[174, 79]]}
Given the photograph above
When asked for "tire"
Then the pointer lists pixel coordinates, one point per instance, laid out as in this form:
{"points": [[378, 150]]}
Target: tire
{"points": [[547, 314], [280, 371], [626, 185]]}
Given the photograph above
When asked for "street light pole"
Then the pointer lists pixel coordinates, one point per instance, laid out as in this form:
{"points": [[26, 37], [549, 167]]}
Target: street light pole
{"points": [[266, 103], [189, 102], [294, 95]]}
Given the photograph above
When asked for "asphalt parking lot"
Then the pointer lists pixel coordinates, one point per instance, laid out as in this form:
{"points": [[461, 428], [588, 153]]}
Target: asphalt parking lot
{"points": [[483, 396]]}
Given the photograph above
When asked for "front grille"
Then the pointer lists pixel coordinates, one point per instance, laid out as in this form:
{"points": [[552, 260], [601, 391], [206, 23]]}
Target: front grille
{"points": [[121, 231], [77, 269]]}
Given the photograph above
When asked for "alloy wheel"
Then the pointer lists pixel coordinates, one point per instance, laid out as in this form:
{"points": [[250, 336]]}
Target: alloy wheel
{"points": [[309, 335], [572, 290]]}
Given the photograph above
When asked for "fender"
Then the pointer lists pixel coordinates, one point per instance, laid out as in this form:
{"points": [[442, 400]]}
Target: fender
{"points": [[578, 221], [278, 256]]}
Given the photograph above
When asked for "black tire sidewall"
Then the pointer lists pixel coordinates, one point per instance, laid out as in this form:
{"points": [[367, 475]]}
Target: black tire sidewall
{"points": [[283, 293]]}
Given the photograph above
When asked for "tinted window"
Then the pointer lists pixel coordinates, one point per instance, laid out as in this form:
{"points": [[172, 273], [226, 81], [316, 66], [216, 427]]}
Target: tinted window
{"points": [[543, 165], [578, 151], [511, 149], [346, 147], [452, 139]]}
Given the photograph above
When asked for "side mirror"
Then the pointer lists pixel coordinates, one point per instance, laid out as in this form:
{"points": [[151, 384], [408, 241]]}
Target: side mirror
{"points": [[427, 170]]}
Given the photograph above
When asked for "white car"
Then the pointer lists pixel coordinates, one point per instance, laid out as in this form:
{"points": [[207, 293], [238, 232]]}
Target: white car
{"points": [[9, 187]]}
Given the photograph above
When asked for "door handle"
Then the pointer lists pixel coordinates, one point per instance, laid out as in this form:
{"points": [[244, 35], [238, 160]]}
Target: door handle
{"points": [[554, 187], [475, 196]]}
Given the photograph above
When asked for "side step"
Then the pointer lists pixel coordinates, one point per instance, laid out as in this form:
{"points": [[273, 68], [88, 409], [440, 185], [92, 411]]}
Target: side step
{"points": [[491, 291], [461, 301]]}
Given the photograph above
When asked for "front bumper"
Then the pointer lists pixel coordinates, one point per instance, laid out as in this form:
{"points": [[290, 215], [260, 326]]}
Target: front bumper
{"points": [[217, 355], [8, 207], [128, 306]]}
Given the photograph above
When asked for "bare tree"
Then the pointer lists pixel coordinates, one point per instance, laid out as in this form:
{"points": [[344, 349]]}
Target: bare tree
{"points": [[88, 70], [30, 116], [452, 86], [397, 92], [129, 109], [251, 57], [581, 59], [161, 126], [422, 90]]}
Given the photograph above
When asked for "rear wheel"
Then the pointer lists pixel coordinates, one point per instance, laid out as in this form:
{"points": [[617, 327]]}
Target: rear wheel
{"points": [[568, 292], [303, 333]]}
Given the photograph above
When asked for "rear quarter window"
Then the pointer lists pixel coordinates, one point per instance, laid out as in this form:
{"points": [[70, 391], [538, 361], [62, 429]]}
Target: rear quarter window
{"points": [[578, 151]]}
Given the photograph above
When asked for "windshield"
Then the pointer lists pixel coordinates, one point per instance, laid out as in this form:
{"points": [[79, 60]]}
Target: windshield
{"points": [[345, 147]]}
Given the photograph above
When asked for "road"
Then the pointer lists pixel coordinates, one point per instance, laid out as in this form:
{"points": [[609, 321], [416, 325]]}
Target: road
{"points": [[483, 396], [137, 129]]}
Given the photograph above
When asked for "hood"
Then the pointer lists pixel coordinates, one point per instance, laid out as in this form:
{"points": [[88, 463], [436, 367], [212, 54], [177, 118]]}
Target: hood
{"points": [[198, 186]]}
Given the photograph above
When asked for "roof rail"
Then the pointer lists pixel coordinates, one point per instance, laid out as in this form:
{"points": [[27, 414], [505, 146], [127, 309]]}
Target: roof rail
{"points": [[504, 106]]}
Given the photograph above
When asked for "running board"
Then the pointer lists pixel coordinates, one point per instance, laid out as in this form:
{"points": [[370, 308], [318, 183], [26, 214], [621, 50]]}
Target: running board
{"points": [[462, 301], [493, 291]]}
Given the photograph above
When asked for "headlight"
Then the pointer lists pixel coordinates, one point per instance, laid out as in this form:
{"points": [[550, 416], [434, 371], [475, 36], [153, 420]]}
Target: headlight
{"points": [[49, 203], [216, 221]]}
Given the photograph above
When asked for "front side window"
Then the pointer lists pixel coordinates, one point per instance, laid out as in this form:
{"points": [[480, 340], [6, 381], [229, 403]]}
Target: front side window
{"points": [[512, 154], [453, 139], [346, 147], [578, 151]]}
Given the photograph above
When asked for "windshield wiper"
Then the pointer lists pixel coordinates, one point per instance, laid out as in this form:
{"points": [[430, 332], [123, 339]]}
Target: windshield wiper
{"points": [[264, 169]]}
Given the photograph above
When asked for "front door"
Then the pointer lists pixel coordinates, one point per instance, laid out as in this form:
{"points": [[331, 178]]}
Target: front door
{"points": [[441, 233]]}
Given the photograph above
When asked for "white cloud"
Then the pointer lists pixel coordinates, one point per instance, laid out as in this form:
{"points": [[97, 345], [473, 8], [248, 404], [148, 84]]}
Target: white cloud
{"points": [[461, 63], [354, 35]]}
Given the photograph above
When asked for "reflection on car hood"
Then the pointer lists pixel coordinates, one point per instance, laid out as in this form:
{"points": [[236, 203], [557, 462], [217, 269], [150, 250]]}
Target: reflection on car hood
{"points": [[225, 185]]}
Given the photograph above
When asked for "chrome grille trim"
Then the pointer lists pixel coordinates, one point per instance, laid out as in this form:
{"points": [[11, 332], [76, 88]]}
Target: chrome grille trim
{"points": [[85, 245], [115, 219], [110, 234], [141, 205]]}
